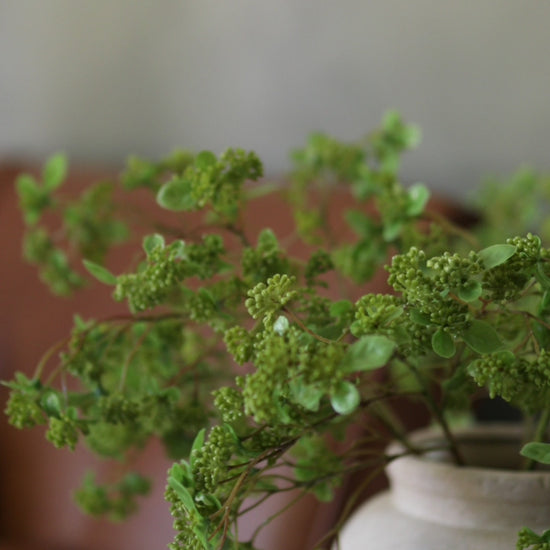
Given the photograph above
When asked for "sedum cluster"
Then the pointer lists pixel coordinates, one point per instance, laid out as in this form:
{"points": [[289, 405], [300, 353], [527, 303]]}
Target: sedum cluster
{"points": [[250, 363]]}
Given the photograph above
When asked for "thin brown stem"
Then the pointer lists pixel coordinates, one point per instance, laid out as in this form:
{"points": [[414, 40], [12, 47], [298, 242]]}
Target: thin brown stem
{"points": [[438, 415], [540, 432], [350, 504], [48, 355], [289, 505], [130, 357], [305, 328]]}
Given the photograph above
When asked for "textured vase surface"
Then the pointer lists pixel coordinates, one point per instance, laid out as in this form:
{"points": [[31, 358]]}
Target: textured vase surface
{"points": [[434, 505]]}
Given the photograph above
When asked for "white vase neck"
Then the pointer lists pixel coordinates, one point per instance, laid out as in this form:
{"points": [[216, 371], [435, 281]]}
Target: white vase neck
{"points": [[471, 496]]}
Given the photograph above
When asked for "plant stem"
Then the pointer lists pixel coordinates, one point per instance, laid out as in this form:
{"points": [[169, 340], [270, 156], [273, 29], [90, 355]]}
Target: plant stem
{"points": [[47, 356], [350, 503], [538, 436], [302, 325], [457, 455], [438, 415], [542, 426]]}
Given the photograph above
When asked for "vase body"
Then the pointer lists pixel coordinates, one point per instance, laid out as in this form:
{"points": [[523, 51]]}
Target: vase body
{"points": [[433, 504]]}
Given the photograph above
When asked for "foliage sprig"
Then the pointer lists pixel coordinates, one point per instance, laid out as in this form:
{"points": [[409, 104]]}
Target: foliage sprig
{"points": [[460, 321]]}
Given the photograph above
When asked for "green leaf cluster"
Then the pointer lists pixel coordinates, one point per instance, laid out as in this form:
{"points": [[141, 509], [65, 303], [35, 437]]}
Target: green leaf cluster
{"points": [[116, 501], [212, 181], [88, 225], [529, 540], [144, 173], [318, 353]]}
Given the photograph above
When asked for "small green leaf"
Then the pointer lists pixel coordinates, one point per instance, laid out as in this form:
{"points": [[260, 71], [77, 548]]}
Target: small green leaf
{"points": [[205, 159], [261, 189], [23, 384], [54, 172], [26, 186], [392, 230], [368, 353], [51, 404], [345, 398], [496, 254], [200, 529], [542, 334], [323, 491], [531, 540], [283, 409], [136, 483], [183, 494], [207, 296], [420, 318], [72, 413], [208, 500], [365, 186], [362, 260], [33, 198], [152, 242], [542, 277], [471, 291], [80, 324], [59, 260], [537, 451], [266, 486], [267, 241], [181, 472], [443, 344], [176, 195], [544, 305], [304, 471], [101, 273], [340, 308], [360, 223], [482, 337], [306, 395], [404, 378], [178, 249], [418, 196], [231, 431], [198, 442]]}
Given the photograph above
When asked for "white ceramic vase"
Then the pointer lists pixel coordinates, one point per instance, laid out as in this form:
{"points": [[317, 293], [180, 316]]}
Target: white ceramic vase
{"points": [[435, 505]]}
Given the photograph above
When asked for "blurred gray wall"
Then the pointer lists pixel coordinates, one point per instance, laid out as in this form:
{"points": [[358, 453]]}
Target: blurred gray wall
{"points": [[104, 78]]}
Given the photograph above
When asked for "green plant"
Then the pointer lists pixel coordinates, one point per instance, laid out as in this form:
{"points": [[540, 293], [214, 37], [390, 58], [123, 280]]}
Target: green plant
{"points": [[466, 314]]}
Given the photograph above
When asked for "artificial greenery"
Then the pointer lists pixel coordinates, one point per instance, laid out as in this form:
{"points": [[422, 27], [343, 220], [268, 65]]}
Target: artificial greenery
{"points": [[466, 314]]}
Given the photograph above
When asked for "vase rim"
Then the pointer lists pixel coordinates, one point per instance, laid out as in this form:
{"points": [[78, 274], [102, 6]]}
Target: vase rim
{"points": [[438, 490], [507, 435]]}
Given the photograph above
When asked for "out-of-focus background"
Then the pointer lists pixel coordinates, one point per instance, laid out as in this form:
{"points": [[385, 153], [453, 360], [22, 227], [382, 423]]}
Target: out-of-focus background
{"points": [[104, 79]]}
